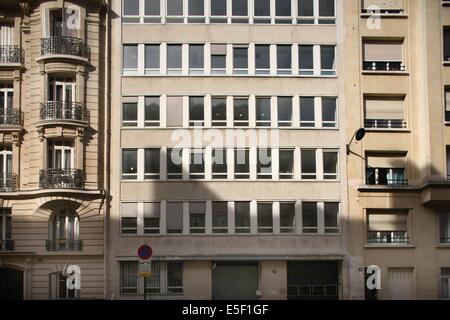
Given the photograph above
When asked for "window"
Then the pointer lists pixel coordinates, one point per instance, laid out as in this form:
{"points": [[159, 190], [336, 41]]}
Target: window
{"points": [[152, 62], [240, 112], [60, 155], [264, 164], [316, 11], [129, 215], [447, 104], [265, 219], [305, 12], [151, 217], [381, 55], [58, 287], [263, 112], [445, 283], [174, 164], [174, 112], [174, 217], [384, 112], [5, 229], [239, 10], [151, 111], [167, 278], [129, 164], [308, 163], [196, 58], [448, 161], [242, 217], [174, 11], [331, 212], [326, 12], [197, 164], [283, 11], [240, 59], [286, 165], [241, 164], [284, 111], [327, 60], [287, 217], [262, 59], [305, 59], [174, 61], [218, 112], [197, 211], [386, 169], [130, 11], [152, 9], [447, 44], [196, 111], [218, 58], [284, 59], [387, 227], [383, 7], [329, 112], [218, 11], [444, 227], [309, 217], [330, 165], [6, 102], [196, 11], [130, 57], [64, 231], [219, 163], [129, 112], [262, 11], [219, 217], [307, 112], [151, 164]]}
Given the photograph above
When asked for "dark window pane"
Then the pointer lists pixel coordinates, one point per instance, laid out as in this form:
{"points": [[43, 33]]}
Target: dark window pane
{"points": [[218, 61], [329, 109], [265, 219], [240, 58], [152, 161], [131, 7], [447, 44], [196, 7], [284, 109], [305, 57], [129, 161], [196, 110], [242, 215], [308, 161], [152, 7], [174, 56], [287, 216], [219, 161], [286, 159], [326, 8], [241, 161], [129, 112], [152, 56], [219, 7], [262, 56], [219, 215], [241, 109], [130, 54], [284, 57], [305, 8], [327, 57], [331, 210], [174, 7], [283, 8], [262, 8], [239, 8], [330, 160], [309, 214], [263, 109], [219, 110], [307, 112], [174, 161], [151, 108], [196, 54], [264, 163]]}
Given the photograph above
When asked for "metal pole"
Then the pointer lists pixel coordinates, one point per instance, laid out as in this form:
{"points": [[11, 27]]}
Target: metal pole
{"points": [[145, 288]]}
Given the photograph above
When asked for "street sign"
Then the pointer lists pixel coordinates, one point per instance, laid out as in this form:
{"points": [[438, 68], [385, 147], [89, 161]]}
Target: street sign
{"points": [[145, 269], [145, 252]]}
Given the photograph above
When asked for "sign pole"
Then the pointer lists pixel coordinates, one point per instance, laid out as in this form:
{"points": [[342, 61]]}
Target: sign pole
{"points": [[145, 288], [145, 252]]}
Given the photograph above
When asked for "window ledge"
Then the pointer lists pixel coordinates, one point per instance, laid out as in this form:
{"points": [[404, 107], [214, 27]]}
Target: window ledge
{"points": [[385, 15], [383, 72], [405, 130], [443, 246], [140, 75], [227, 180], [446, 63], [389, 246], [235, 128], [159, 235], [386, 188]]}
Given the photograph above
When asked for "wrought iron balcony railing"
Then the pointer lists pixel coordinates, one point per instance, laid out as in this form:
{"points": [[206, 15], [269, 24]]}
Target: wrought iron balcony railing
{"points": [[447, 115], [64, 45], [383, 66], [10, 117], [11, 54], [63, 110], [444, 240], [61, 179], [8, 182], [6, 245], [383, 123], [386, 176], [395, 237], [63, 244]]}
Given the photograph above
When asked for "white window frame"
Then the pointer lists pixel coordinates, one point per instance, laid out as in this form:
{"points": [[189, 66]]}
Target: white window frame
{"points": [[331, 176], [4, 90], [241, 71], [133, 18], [55, 227], [62, 148], [151, 18]]}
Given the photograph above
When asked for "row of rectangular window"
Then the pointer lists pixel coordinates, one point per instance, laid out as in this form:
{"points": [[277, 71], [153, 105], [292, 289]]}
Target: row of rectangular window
{"points": [[220, 163], [230, 11], [229, 59], [222, 111], [222, 217]]}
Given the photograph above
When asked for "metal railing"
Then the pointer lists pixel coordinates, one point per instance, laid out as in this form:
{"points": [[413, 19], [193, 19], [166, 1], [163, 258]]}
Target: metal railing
{"points": [[384, 177], [382, 123], [383, 66], [10, 117], [444, 240], [63, 110], [447, 115], [11, 54], [64, 45], [8, 182], [6, 245], [61, 179], [395, 237], [63, 244], [383, 11]]}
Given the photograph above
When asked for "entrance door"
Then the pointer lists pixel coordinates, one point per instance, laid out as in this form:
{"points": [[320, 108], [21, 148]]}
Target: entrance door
{"points": [[235, 280], [11, 284], [312, 280], [400, 284]]}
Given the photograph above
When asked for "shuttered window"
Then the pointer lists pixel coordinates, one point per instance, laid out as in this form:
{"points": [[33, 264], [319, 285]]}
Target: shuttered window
{"points": [[392, 221], [174, 112], [386, 161], [384, 108], [174, 216], [383, 51]]}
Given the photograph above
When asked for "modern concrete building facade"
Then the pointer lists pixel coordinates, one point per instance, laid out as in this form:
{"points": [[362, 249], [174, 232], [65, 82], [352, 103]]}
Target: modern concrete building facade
{"points": [[51, 145]]}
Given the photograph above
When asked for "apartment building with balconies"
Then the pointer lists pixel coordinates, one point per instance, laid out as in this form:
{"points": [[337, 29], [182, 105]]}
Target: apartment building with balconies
{"points": [[397, 90], [52, 137]]}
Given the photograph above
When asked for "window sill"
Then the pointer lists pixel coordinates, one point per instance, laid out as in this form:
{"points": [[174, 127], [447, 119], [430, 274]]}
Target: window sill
{"points": [[401, 130], [446, 63], [389, 246], [385, 15], [231, 235], [275, 76], [443, 246], [384, 72], [229, 180], [232, 128]]}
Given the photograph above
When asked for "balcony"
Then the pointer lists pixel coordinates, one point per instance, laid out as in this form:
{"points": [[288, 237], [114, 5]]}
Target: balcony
{"points": [[61, 179], [11, 117], [383, 11], [11, 54], [63, 245], [61, 45], [385, 66], [384, 124], [63, 111], [8, 182], [6, 245], [388, 237], [386, 177]]}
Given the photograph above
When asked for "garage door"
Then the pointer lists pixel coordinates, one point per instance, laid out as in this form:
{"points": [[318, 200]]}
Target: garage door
{"points": [[237, 281], [400, 283], [11, 284]]}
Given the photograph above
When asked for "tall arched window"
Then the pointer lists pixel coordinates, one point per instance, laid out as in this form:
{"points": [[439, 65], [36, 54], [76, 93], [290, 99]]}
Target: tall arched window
{"points": [[64, 231]]}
